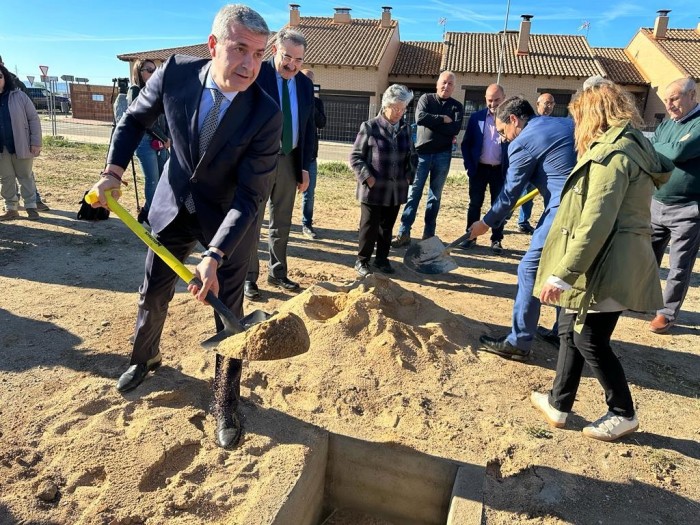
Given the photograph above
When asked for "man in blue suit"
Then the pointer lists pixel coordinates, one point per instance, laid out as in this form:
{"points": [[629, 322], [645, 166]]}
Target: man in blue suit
{"points": [[225, 143], [295, 95], [540, 152], [485, 160]]}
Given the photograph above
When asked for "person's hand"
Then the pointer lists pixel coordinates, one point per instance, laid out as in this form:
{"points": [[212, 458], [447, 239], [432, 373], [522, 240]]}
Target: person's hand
{"points": [[105, 184], [35, 150], [301, 186], [550, 294], [446, 119], [205, 272], [370, 181], [477, 229]]}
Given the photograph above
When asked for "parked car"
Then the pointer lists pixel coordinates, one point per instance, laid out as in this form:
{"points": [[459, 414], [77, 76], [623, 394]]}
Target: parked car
{"points": [[40, 98]]}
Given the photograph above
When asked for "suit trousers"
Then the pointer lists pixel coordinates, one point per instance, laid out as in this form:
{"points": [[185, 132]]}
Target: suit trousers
{"points": [[180, 237], [679, 225], [376, 224], [280, 207], [592, 347], [490, 177]]}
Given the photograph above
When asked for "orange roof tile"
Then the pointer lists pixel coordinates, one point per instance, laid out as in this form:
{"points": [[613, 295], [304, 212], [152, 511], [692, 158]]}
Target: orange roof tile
{"points": [[618, 66], [682, 46], [418, 58], [550, 55], [197, 50]]}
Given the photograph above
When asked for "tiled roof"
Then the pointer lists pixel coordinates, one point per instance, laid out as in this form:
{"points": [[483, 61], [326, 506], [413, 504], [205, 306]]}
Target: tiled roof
{"points": [[197, 50], [551, 55], [618, 66], [418, 58], [682, 46]]}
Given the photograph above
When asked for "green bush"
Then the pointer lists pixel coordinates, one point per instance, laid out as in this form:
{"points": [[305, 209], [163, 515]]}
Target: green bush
{"points": [[335, 169]]}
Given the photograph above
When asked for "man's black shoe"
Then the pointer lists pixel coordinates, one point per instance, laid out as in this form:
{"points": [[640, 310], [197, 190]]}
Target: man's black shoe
{"points": [[228, 430], [548, 336], [500, 346], [135, 374], [383, 266], [282, 282], [250, 290], [362, 268], [497, 247], [526, 228]]}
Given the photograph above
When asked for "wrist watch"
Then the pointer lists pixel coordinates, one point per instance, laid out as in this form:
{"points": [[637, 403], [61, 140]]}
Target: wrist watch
{"points": [[210, 253]]}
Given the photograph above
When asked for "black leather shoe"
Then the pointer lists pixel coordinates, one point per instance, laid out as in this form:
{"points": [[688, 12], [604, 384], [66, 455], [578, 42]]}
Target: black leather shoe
{"points": [[526, 228], [282, 282], [383, 266], [548, 336], [135, 374], [469, 243], [228, 430], [500, 346], [362, 269], [250, 290]]}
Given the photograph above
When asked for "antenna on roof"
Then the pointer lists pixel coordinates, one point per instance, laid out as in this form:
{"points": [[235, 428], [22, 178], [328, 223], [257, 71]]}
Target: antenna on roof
{"points": [[443, 23]]}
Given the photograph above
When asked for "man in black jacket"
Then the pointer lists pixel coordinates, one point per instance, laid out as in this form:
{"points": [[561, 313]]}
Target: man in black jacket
{"points": [[439, 119]]}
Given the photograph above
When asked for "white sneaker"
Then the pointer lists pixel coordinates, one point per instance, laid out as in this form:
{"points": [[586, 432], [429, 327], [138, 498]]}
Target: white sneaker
{"points": [[611, 427], [553, 416]]}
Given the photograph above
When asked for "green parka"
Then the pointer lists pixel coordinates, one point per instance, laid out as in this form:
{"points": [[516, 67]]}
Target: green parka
{"points": [[600, 240]]}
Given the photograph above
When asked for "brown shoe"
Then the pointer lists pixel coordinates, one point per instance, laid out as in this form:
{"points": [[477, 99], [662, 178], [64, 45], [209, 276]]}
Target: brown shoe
{"points": [[32, 214], [9, 215], [660, 325]]}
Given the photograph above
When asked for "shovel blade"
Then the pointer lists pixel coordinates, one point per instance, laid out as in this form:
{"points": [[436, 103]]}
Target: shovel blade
{"points": [[429, 256], [254, 317]]}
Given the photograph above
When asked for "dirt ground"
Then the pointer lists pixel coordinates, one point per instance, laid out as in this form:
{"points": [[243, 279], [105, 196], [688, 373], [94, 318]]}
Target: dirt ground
{"points": [[391, 360]]}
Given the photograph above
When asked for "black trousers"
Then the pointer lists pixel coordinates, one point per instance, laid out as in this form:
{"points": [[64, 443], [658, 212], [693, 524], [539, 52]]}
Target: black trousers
{"points": [[490, 177], [180, 237], [591, 346], [376, 224]]}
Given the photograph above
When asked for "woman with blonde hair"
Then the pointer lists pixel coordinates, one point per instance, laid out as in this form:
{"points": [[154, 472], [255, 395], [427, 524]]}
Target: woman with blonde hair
{"points": [[597, 260]]}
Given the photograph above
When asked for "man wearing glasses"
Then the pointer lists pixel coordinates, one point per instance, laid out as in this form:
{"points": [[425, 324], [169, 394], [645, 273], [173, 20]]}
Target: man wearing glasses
{"points": [[295, 95], [541, 153]]}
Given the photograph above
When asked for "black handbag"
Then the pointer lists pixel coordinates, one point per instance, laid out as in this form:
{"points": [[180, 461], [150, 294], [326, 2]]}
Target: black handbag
{"points": [[88, 213]]}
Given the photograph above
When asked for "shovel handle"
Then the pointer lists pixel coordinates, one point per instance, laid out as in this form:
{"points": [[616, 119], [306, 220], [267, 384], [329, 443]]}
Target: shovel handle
{"points": [[231, 324]]}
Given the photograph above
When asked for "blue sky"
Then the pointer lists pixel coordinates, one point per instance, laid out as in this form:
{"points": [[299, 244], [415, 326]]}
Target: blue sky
{"points": [[82, 38]]}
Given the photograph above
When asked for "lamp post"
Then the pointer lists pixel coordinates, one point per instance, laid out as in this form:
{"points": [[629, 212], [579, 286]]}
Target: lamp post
{"points": [[503, 45]]}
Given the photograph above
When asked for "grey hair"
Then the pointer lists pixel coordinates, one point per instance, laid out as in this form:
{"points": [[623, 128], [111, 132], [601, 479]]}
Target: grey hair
{"points": [[596, 81], [686, 85], [238, 14], [294, 36], [447, 72], [396, 93]]}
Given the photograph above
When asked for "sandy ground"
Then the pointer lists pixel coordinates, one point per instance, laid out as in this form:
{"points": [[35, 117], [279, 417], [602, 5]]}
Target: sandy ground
{"points": [[390, 361]]}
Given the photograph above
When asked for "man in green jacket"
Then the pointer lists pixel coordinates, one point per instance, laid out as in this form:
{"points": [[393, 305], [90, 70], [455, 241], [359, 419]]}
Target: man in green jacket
{"points": [[674, 209]]}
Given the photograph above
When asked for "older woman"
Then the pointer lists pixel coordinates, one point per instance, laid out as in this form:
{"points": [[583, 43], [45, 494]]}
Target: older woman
{"points": [[20, 142], [152, 151], [384, 162], [597, 260]]}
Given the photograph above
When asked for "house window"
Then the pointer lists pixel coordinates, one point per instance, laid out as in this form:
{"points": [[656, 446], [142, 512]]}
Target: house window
{"points": [[561, 98], [473, 100]]}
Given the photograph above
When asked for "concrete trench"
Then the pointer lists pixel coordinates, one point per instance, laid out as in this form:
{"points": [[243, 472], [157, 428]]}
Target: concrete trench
{"points": [[385, 483]]}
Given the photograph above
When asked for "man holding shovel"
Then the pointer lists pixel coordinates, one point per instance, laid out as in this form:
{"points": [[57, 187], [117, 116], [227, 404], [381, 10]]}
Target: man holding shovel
{"points": [[225, 142], [540, 152]]}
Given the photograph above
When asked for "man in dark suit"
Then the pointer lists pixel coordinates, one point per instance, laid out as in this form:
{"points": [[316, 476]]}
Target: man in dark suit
{"points": [[295, 95], [485, 159], [225, 142]]}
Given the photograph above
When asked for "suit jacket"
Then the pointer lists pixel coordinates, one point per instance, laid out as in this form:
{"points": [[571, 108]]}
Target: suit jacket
{"points": [[542, 155], [473, 141], [304, 152], [232, 180]]}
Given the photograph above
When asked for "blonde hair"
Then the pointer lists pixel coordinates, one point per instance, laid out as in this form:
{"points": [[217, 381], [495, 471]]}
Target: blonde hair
{"points": [[598, 108]]}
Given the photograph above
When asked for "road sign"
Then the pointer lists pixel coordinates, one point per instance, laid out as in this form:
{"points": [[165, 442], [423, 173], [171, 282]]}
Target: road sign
{"points": [[81, 79], [53, 79], [68, 78], [31, 80], [44, 70], [44, 78]]}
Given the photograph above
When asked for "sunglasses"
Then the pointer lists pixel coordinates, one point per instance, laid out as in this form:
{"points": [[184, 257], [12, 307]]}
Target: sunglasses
{"points": [[150, 70]]}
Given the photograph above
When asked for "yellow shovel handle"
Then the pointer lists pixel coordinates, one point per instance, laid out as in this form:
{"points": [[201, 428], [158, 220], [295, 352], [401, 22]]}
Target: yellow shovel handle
{"points": [[526, 198]]}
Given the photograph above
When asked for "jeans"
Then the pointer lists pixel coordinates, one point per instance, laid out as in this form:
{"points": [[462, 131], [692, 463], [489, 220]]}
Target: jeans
{"points": [[437, 165], [307, 198], [526, 310], [526, 209], [152, 163]]}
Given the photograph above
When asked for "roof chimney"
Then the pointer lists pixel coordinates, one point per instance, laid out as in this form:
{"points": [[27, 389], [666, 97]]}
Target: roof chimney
{"points": [[294, 16], [342, 15], [524, 35], [661, 24], [386, 16]]}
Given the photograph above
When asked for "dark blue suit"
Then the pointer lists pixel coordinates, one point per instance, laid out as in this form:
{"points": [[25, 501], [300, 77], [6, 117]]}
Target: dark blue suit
{"points": [[543, 155], [228, 185], [481, 176]]}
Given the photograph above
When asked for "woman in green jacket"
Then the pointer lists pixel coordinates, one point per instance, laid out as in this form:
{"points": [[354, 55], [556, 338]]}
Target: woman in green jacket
{"points": [[597, 260]]}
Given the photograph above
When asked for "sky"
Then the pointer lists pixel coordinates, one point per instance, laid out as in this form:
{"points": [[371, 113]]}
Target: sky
{"points": [[82, 38]]}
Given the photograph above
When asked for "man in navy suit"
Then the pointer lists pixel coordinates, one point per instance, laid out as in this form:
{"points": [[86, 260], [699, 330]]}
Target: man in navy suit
{"points": [[540, 152], [225, 142], [295, 95], [485, 160]]}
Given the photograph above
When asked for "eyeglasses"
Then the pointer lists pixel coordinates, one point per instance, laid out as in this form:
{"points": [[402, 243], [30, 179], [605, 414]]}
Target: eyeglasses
{"points": [[286, 59], [150, 70]]}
